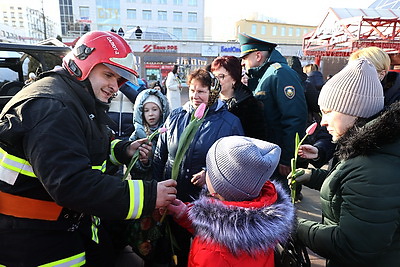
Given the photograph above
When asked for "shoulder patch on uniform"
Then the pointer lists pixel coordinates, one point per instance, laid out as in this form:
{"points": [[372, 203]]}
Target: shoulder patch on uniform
{"points": [[277, 65], [289, 91], [261, 93]]}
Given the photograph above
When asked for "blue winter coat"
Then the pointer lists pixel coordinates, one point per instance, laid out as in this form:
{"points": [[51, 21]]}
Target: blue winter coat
{"points": [[219, 122]]}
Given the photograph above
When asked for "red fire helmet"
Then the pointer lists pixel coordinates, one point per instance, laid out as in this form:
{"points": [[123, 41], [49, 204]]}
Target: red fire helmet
{"points": [[101, 47]]}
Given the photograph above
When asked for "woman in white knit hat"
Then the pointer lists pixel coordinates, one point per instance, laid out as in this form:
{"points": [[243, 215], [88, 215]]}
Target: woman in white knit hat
{"points": [[361, 195]]}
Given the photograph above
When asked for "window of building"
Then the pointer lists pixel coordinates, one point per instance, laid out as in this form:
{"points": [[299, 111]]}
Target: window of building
{"points": [[84, 11], [177, 16], [163, 2], [131, 1], [263, 29], [290, 31], [274, 30], [21, 24], [298, 30], [5, 14], [305, 31], [192, 3], [146, 1], [131, 13], [192, 17], [177, 32], [178, 2], [162, 15], [12, 15], [192, 34], [283, 31], [253, 28], [146, 14]]}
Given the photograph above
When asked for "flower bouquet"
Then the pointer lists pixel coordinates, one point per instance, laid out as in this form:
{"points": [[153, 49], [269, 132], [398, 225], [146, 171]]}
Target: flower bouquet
{"points": [[135, 156], [185, 140]]}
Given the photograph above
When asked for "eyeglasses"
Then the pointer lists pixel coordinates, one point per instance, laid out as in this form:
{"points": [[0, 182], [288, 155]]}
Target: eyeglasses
{"points": [[221, 76]]}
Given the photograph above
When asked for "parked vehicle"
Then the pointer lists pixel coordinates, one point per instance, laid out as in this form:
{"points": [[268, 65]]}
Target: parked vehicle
{"points": [[18, 60]]}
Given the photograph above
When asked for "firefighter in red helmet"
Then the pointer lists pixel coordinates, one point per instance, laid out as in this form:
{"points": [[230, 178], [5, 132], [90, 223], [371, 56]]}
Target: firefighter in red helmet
{"points": [[55, 146]]}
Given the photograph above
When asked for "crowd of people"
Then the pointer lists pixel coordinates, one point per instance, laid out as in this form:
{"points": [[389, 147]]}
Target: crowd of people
{"points": [[67, 137]]}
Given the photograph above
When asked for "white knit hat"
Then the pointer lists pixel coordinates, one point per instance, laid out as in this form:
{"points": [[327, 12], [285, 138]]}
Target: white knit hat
{"points": [[239, 166], [153, 99], [355, 90]]}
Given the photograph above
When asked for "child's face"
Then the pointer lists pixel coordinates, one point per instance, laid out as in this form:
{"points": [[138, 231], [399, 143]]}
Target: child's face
{"points": [[151, 113]]}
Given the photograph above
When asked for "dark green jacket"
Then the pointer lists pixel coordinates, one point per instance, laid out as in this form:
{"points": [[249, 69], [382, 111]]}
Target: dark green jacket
{"points": [[279, 89], [360, 198]]}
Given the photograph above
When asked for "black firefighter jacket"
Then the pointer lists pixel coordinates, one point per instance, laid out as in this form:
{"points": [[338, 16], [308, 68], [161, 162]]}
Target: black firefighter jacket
{"points": [[59, 128]]}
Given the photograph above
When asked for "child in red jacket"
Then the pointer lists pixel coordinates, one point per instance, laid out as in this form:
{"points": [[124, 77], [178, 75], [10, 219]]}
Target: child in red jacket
{"points": [[243, 215]]}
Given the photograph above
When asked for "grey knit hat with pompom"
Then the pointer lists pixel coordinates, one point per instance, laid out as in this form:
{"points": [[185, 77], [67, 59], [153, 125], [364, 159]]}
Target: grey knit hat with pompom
{"points": [[239, 166]]}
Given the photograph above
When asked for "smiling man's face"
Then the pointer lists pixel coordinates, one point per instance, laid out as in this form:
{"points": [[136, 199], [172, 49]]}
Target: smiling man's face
{"points": [[104, 82]]}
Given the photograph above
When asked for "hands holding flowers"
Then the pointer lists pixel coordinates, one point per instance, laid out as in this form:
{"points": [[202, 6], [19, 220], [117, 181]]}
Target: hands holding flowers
{"points": [[299, 172], [140, 149]]}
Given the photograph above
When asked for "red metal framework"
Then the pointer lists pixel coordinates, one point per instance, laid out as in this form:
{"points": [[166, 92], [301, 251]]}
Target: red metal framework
{"points": [[350, 34]]}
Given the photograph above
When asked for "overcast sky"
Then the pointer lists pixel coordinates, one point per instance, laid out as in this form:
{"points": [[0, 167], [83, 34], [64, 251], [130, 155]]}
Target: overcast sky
{"points": [[225, 13]]}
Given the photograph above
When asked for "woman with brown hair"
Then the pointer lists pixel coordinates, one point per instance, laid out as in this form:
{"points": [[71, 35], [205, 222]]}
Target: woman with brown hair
{"points": [[238, 97]]}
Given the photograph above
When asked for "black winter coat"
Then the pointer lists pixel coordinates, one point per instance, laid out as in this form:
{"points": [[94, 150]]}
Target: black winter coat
{"points": [[247, 108], [360, 198]]}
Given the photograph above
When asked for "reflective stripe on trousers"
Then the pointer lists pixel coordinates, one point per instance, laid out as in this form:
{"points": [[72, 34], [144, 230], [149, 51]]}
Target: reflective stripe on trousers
{"points": [[73, 261]]}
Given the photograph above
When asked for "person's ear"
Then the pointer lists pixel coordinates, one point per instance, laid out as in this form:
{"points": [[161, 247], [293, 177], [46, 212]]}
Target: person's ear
{"points": [[258, 56]]}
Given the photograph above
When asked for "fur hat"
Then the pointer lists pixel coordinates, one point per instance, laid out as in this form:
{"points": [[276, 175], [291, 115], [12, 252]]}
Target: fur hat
{"points": [[153, 99], [239, 166], [355, 90]]}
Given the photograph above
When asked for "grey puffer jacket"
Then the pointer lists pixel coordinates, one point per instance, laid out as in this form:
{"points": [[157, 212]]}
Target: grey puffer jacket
{"points": [[360, 198]]}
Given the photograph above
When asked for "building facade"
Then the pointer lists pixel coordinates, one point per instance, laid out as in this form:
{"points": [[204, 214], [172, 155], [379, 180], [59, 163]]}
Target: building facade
{"points": [[279, 33], [26, 24], [182, 19]]}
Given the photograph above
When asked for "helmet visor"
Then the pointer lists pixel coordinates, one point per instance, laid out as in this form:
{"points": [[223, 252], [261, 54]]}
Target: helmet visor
{"points": [[128, 76], [128, 62]]}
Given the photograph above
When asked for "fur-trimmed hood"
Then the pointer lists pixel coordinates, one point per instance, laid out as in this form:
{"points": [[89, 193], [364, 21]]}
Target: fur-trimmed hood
{"points": [[380, 132], [243, 229]]}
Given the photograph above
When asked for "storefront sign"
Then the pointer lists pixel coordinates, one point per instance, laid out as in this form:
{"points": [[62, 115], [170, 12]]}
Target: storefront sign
{"points": [[209, 50], [153, 48], [229, 50]]}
